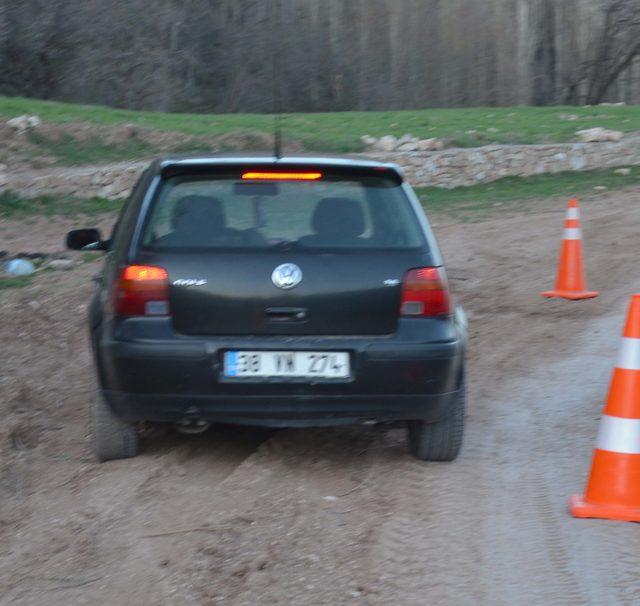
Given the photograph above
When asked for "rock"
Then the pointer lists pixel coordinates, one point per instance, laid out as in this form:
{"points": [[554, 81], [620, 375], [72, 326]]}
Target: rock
{"points": [[34, 121], [108, 191], [368, 140], [19, 124], [24, 123], [600, 187], [386, 144], [409, 146], [20, 267], [570, 117], [130, 130], [407, 143], [406, 139], [598, 134], [622, 171], [492, 129], [577, 162], [432, 144], [618, 104], [61, 264]]}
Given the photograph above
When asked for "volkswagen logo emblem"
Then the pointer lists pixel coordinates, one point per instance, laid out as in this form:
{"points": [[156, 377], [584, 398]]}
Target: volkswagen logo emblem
{"points": [[286, 276]]}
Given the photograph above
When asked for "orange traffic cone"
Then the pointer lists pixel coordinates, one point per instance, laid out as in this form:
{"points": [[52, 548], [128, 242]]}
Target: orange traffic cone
{"points": [[570, 280], [613, 490]]}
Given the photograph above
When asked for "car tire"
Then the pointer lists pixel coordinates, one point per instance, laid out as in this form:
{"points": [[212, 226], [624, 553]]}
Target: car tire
{"points": [[440, 441], [113, 438]]}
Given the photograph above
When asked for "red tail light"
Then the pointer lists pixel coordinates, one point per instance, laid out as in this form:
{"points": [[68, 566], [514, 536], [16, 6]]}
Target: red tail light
{"points": [[142, 290], [425, 293], [274, 176]]}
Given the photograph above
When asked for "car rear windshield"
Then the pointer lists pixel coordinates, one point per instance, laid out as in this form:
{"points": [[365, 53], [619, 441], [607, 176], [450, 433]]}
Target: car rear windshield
{"points": [[211, 212]]}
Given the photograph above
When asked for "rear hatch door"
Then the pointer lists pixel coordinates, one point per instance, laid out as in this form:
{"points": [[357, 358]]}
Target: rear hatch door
{"points": [[344, 235], [235, 294]]}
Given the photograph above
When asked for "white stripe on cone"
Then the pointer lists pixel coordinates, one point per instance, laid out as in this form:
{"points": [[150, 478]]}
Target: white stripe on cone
{"points": [[629, 356], [619, 435], [572, 233], [573, 213]]}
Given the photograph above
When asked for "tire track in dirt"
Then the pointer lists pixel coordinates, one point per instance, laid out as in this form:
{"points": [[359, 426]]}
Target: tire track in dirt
{"points": [[564, 578], [108, 510], [403, 567], [313, 497], [621, 576], [460, 535], [449, 539]]}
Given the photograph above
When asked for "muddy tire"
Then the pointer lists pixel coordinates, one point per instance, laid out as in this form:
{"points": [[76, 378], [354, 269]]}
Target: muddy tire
{"points": [[112, 437], [439, 441]]}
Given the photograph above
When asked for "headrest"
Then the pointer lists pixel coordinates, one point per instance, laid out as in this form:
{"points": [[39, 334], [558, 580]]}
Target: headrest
{"points": [[340, 217], [198, 212]]}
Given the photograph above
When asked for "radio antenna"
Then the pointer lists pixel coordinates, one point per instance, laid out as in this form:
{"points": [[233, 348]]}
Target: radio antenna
{"points": [[275, 59], [277, 136]]}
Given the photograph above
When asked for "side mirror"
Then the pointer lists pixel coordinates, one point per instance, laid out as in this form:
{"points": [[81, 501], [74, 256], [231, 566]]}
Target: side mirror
{"points": [[85, 239]]}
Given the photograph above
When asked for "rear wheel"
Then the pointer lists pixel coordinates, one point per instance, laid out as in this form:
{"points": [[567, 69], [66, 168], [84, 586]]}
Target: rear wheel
{"points": [[440, 441], [113, 438]]}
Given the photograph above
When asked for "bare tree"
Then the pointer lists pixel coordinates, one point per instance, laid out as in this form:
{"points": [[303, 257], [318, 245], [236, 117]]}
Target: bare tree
{"points": [[35, 49], [216, 55], [613, 51]]}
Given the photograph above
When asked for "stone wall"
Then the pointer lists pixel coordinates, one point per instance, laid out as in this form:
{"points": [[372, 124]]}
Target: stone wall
{"points": [[447, 168], [459, 167]]}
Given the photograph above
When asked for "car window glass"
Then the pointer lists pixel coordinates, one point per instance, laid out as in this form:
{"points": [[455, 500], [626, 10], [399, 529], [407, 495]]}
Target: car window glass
{"points": [[206, 212]]}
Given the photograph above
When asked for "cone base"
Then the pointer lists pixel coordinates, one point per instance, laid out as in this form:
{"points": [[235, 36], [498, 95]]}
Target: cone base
{"points": [[569, 294], [579, 508]]}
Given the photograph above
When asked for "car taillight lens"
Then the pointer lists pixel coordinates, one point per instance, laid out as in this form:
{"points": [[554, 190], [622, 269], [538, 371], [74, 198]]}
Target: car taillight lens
{"points": [[142, 290], [425, 293], [280, 176]]}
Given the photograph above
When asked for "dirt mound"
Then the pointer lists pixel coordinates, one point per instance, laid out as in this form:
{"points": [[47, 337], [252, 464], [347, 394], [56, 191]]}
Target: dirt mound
{"points": [[75, 143]]}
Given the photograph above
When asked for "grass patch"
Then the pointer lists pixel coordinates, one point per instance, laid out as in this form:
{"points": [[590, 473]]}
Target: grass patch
{"points": [[511, 189], [15, 282], [13, 206], [341, 131]]}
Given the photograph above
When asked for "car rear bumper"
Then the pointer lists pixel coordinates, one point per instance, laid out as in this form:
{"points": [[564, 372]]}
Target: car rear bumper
{"points": [[412, 374], [281, 411]]}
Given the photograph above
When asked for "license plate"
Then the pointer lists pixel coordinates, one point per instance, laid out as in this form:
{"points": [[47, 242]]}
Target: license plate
{"points": [[296, 364]]}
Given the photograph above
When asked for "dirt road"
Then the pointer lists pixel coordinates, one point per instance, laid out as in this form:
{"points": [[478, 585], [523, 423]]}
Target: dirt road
{"points": [[335, 516]]}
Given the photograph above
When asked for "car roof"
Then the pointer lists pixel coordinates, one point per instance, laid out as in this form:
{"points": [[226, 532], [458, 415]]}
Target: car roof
{"points": [[264, 159]]}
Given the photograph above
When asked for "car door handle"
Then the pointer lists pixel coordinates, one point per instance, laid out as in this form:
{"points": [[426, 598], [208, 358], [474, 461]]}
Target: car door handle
{"points": [[286, 314]]}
